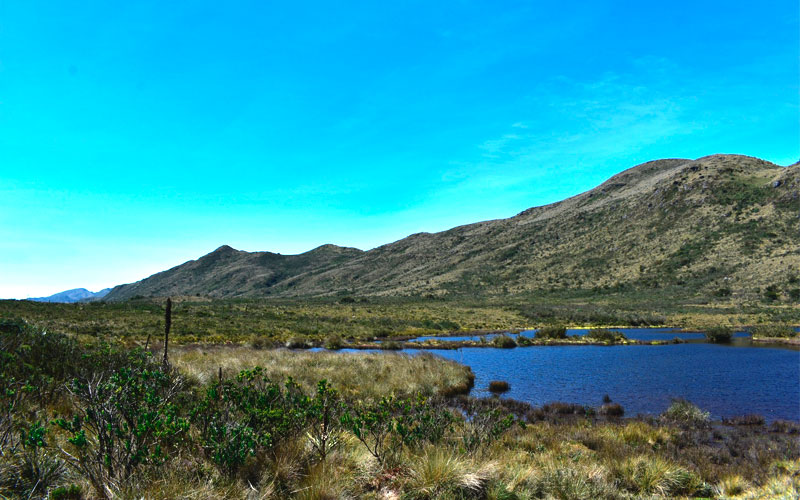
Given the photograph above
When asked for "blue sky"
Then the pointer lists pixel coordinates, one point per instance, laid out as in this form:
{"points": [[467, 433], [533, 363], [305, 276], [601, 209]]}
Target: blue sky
{"points": [[137, 135]]}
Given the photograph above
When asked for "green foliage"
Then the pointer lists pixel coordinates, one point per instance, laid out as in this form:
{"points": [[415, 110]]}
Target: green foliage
{"points": [[774, 330], [322, 415], [372, 424], [605, 335], [249, 414], [122, 419], [551, 332], [718, 334], [71, 492], [504, 341], [485, 424], [771, 293]]}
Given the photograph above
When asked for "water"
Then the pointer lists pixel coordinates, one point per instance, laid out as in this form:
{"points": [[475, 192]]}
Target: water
{"points": [[726, 380]]}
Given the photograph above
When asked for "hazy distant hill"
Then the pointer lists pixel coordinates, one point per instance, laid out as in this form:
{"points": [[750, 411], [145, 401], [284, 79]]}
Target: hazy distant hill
{"points": [[74, 295], [720, 224]]}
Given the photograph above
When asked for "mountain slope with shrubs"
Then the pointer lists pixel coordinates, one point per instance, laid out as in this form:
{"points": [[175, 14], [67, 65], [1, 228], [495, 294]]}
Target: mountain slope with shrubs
{"points": [[722, 225]]}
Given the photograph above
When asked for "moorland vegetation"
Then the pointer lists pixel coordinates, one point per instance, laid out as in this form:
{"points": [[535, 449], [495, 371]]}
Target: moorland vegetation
{"points": [[105, 421]]}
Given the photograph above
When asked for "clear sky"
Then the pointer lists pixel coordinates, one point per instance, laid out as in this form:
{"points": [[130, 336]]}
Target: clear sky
{"points": [[135, 136]]}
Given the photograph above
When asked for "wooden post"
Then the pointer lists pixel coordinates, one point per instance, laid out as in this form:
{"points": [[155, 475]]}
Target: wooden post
{"points": [[167, 325]]}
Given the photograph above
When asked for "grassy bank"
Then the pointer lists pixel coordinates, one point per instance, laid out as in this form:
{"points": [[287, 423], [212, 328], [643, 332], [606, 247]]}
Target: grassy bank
{"points": [[92, 421], [354, 375]]}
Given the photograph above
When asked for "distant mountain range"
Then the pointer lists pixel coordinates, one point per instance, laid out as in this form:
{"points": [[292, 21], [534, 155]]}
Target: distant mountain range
{"points": [[74, 295], [721, 224]]}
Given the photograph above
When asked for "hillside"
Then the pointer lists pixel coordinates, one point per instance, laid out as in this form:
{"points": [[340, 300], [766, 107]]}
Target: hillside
{"points": [[722, 224]]}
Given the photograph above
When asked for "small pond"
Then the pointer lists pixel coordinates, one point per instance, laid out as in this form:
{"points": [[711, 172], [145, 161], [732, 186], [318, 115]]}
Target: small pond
{"points": [[724, 379]]}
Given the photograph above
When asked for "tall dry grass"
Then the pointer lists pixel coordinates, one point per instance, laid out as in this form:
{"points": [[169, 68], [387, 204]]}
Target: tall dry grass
{"points": [[363, 375]]}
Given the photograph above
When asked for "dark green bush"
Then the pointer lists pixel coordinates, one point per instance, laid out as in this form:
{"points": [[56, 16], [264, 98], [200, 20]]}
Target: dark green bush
{"points": [[718, 334], [372, 424], [239, 418], [322, 414], [783, 331], [333, 342], [504, 341], [551, 332], [605, 335], [498, 386], [131, 419]]}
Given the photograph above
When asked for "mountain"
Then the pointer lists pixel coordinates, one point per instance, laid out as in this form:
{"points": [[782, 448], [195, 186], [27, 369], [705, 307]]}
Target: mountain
{"points": [[74, 295], [719, 224]]}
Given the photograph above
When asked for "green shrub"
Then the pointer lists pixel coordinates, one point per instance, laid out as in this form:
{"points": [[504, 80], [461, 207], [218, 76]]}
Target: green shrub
{"points": [[372, 424], [239, 418], [322, 415], [498, 386], [783, 331], [122, 419], [551, 332], [719, 334], [605, 335], [504, 341], [333, 342]]}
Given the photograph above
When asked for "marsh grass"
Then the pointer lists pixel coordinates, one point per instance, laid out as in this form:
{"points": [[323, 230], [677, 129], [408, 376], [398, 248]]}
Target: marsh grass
{"points": [[365, 375], [570, 455]]}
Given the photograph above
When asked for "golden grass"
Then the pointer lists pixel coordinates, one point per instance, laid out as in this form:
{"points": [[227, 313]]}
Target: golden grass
{"points": [[365, 375]]}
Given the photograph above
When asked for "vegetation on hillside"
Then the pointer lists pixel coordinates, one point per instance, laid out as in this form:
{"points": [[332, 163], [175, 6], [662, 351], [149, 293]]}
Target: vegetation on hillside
{"points": [[722, 225]]}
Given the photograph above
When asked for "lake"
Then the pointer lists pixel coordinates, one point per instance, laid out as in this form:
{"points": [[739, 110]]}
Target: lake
{"points": [[724, 379]]}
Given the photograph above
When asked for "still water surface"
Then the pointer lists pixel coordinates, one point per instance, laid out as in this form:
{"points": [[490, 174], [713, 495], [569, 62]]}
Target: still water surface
{"points": [[724, 379]]}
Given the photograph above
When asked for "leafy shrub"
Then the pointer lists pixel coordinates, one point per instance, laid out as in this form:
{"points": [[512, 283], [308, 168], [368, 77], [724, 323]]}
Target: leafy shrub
{"points": [[239, 418], [551, 332], [782, 331], [504, 341], [372, 424], [32, 470], [718, 334], [498, 386], [422, 420], [605, 335], [333, 342], [322, 416], [122, 419], [523, 341], [486, 422]]}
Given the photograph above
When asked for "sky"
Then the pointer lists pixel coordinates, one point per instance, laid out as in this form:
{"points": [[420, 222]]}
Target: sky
{"points": [[135, 136]]}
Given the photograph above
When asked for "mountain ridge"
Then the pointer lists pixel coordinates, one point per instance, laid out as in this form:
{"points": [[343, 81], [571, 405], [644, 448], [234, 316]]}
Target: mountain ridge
{"points": [[716, 222], [72, 295]]}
